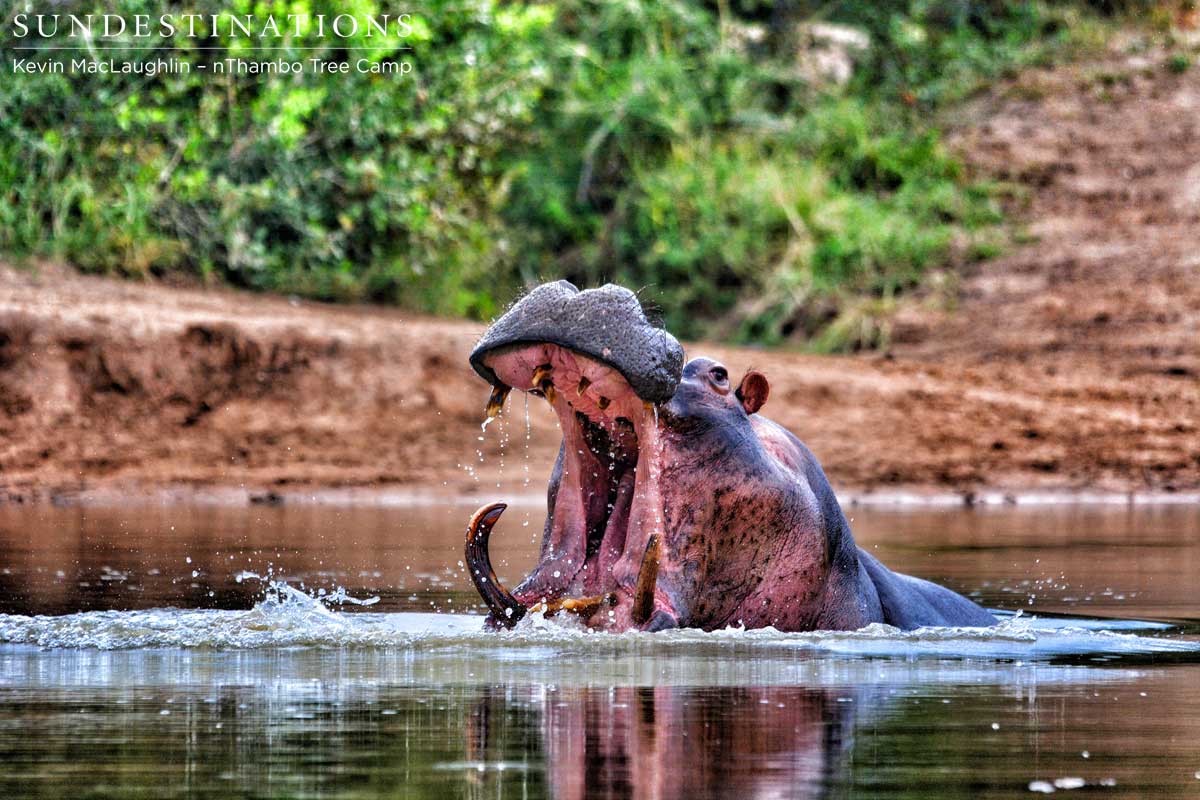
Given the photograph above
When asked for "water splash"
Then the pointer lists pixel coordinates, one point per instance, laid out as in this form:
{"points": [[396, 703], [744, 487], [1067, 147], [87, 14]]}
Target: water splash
{"points": [[278, 591], [288, 617]]}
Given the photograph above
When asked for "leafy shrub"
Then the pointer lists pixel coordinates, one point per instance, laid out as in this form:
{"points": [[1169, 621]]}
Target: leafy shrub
{"points": [[668, 144]]}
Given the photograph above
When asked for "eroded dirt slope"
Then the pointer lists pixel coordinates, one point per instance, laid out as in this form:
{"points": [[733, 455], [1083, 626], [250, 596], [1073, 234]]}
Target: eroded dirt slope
{"points": [[104, 381], [1095, 324], [1072, 362]]}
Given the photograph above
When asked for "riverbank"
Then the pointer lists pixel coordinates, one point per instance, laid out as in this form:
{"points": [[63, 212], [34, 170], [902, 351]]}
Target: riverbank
{"points": [[111, 389], [1066, 368]]}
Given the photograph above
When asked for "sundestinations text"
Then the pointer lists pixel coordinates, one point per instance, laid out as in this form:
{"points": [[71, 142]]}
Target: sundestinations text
{"points": [[270, 26]]}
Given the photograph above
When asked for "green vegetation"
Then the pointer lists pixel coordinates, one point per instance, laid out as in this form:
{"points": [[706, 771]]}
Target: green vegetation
{"points": [[686, 147]]}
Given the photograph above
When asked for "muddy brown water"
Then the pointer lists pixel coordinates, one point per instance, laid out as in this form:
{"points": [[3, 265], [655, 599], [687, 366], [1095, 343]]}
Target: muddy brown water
{"points": [[139, 658]]}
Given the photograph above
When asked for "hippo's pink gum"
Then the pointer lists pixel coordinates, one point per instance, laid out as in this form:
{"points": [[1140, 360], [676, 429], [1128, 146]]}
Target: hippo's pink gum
{"points": [[608, 504]]}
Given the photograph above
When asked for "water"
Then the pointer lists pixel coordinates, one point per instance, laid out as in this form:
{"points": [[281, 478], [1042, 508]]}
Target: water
{"points": [[141, 658]]}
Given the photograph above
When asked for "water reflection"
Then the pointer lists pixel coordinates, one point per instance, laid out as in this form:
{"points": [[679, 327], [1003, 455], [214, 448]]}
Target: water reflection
{"points": [[465, 717], [372, 724], [680, 742]]}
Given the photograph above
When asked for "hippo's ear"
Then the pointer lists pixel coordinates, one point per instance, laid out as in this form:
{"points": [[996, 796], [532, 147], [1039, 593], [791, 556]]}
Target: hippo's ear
{"points": [[753, 391]]}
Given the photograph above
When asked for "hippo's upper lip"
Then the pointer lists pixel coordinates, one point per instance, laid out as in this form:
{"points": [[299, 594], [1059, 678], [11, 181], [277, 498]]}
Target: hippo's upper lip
{"points": [[605, 324]]}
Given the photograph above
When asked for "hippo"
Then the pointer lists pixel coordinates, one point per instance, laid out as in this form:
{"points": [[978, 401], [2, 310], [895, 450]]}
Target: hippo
{"points": [[673, 502]]}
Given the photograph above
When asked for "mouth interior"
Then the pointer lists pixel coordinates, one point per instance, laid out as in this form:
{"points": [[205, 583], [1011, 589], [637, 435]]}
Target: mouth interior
{"points": [[615, 451], [599, 525]]}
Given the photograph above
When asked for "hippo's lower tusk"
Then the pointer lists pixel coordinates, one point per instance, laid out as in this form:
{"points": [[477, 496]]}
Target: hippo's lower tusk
{"points": [[582, 606], [504, 607], [496, 401], [643, 594]]}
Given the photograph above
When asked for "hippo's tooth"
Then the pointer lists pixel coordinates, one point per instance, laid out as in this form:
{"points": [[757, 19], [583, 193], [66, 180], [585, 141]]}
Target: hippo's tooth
{"points": [[603, 403], [575, 605], [548, 390], [643, 593], [496, 401], [540, 375], [504, 607], [584, 383]]}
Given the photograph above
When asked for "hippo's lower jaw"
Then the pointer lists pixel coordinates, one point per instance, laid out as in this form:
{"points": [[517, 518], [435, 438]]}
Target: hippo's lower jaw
{"points": [[600, 555]]}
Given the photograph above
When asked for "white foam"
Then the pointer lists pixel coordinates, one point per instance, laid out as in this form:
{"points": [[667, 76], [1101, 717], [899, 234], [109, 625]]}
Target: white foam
{"points": [[288, 617]]}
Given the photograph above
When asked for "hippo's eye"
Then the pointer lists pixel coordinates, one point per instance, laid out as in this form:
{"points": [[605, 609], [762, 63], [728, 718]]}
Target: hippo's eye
{"points": [[719, 374]]}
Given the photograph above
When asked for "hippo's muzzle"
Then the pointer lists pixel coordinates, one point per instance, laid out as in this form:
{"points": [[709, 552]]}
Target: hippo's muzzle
{"points": [[603, 368]]}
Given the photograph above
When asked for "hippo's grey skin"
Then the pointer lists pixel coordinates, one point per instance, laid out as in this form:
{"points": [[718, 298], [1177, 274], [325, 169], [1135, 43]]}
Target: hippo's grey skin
{"points": [[677, 505], [768, 543], [607, 324]]}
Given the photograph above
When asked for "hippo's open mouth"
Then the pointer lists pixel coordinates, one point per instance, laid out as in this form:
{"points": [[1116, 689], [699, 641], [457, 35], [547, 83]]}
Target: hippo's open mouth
{"points": [[600, 553], [607, 507]]}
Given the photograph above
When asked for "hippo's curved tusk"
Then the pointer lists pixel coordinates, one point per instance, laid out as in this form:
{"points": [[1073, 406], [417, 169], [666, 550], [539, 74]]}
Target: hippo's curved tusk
{"points": [[504, 607], [643, 594]]}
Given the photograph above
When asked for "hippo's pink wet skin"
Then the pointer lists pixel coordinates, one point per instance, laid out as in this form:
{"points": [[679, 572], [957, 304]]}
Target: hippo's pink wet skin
{"points": [[680, 506]]}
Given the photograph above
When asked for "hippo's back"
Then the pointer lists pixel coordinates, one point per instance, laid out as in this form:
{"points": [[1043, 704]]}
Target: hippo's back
{"points": [[909, 602]]}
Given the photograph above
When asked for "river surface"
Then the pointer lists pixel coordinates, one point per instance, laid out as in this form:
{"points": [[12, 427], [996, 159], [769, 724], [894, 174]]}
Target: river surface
{"points": [[317, 651]]}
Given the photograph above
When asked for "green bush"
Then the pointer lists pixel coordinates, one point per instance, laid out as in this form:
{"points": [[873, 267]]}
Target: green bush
{"points": [[336, 187], [666, 144]]}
